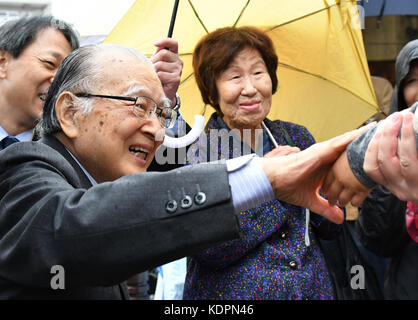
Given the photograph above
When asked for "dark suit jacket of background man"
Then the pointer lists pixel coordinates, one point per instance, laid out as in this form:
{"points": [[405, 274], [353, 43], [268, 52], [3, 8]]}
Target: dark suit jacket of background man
{"points": [[50, 215]]}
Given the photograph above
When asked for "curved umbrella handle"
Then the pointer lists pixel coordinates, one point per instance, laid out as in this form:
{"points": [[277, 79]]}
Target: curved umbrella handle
{"points": [[189, 138]]}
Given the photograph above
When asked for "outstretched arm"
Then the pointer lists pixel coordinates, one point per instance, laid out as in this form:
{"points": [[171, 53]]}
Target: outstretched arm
{"points": [[297, 178]]}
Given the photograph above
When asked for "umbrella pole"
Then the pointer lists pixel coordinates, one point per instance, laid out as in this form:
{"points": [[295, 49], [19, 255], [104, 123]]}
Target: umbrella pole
{"points": [[173, 18]]}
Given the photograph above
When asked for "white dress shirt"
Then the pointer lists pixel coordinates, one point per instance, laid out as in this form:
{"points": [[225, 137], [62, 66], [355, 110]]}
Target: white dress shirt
{"points": [[23, 136]]}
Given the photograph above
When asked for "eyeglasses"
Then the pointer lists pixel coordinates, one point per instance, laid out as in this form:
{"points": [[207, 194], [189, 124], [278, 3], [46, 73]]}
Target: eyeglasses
{"points": [[144, 108]]}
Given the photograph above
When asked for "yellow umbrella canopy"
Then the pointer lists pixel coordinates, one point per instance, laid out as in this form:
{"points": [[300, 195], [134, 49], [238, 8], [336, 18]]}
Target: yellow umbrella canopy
{"points": [[324, 80]]}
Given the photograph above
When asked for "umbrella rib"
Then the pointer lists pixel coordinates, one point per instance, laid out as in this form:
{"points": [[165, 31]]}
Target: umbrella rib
{"points": [[323, 78], [246, 5], [241, 13], [197, 16], [298, 18], [303, 71], [187, 78]]}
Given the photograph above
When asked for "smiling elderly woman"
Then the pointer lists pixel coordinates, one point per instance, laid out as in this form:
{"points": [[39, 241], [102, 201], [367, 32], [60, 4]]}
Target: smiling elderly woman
{"points": [[235, 69]]}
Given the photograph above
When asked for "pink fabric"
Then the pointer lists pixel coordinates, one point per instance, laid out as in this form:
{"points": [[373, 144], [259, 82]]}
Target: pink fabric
{"points": [[412, 220]]}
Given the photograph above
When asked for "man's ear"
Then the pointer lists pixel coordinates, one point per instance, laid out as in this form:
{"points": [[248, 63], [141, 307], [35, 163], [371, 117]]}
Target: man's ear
{"points": [[5, 58], [64, 108]]}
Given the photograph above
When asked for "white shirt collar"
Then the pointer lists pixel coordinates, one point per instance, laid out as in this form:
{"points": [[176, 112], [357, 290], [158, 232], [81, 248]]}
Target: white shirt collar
{"points": [[23, 136]]}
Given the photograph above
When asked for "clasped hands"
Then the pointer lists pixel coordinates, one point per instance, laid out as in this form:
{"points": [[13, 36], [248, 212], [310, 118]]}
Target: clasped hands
{"points": [[297, 177], [393, 163], [389, 162]]}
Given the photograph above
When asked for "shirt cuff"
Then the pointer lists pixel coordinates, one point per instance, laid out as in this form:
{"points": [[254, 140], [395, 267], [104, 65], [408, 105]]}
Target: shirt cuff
{"points": [[249, 184]]}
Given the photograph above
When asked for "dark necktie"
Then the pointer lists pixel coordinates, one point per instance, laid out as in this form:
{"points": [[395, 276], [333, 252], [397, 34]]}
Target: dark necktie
{"points": [[7, 142]]}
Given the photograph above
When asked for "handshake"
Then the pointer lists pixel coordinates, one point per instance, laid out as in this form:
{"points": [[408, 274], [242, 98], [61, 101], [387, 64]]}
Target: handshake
{"points": [[297, 177]]}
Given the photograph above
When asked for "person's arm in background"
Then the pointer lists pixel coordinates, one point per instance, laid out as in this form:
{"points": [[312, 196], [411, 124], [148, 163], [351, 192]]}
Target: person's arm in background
{"points": [[381, 222], [347, 181], [394, 164]]}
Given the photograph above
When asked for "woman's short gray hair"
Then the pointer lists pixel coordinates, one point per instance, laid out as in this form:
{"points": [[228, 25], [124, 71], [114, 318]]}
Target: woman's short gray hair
{"points": [[81, 71]]}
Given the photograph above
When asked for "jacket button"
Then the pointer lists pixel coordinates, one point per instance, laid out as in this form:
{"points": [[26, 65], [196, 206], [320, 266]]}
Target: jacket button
{"points": [[283, 235], [200, 198], [171, 206], [186, 202], [293, 264]]}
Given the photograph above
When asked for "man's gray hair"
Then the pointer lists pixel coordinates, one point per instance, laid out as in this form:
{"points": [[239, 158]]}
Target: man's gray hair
{"points": [[80, 72]]}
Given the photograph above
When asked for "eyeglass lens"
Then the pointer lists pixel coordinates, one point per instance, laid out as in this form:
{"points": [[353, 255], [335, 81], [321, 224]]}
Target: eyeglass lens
{"points": [[145, 107]]}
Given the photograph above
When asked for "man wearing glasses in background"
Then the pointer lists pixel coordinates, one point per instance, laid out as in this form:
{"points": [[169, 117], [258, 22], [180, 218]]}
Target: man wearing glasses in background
{"points": [[79, 203]]}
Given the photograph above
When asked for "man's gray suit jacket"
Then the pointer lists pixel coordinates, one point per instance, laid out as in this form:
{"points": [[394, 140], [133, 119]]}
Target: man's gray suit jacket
{"points": [[50, 215]]}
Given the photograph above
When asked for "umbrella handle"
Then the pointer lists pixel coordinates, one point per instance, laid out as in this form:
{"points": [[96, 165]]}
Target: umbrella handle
{"points": [[173, 19], [199, 120], [189, 138]]}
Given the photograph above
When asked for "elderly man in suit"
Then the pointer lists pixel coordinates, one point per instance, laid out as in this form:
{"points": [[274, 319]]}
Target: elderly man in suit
{"points": [[78, 204], [31, 50]]}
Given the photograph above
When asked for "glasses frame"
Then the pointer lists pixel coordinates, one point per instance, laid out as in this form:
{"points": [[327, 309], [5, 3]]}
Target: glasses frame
{"points": [[154, 111]]}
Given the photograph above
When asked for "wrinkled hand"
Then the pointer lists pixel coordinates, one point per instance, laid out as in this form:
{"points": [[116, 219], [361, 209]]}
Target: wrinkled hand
{"points": [[282, 151], [396, 170], [296, 178], [168, 66], [342, 186]]}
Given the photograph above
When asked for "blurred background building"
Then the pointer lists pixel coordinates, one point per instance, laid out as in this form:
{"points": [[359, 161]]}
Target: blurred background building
{"points": [[383, 39], [388, 26], [15, 8]]}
